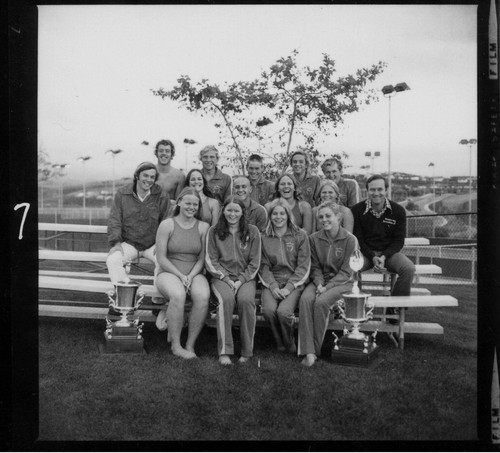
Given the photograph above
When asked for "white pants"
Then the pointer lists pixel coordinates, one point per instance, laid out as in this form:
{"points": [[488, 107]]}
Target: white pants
{"points": [[116, 261]]}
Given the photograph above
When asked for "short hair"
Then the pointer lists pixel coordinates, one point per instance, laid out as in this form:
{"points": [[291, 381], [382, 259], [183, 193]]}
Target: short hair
{"points": [[296, 189], [333, 185], [302, 153], [206, 190], [335, 207], [332, 161], [269, 231], [184, 192], [255, 157], [143, 167], [165, 142], [208, 148], [374, 178]]}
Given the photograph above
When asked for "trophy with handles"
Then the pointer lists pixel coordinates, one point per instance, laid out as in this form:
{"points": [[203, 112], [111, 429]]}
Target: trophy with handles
{"points": [[355, 347], [124, 335]]}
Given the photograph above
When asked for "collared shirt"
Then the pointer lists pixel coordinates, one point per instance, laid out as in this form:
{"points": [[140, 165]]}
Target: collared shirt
{"points": [[384, 232], [220, 185], [262, 191], [145, 196], [309, 188], [377, 214], [349, 192]]}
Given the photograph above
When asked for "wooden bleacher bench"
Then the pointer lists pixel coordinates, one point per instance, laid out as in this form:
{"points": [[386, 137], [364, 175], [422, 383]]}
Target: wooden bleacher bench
{"points": [[99, 311], [97, 281]]}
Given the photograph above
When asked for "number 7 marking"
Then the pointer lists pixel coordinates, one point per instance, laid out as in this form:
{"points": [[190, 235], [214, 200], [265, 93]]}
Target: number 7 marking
{"points": [[27, 207]]}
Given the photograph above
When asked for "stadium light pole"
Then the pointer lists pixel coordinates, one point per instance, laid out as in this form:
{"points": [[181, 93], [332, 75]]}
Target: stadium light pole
{"points": [[60, 168], [113, 152], [433, 181], [84, 159], [469, 142], [372, 156], [389, 92], [187, 141]]}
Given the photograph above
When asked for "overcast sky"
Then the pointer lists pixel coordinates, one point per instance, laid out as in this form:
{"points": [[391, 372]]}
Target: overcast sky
{"points": [[97, 65]]}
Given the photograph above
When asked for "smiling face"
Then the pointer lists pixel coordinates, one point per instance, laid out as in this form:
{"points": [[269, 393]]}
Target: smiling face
{"points": [[209, 160], [145, 180], [377, 193], [255, 169], [286, 188], [164, 154], [332, 172], [279, 217], [188, 205], [196, 181], [328, 194], [242, 188], [233, 213], [328, 220], [299, 165]]}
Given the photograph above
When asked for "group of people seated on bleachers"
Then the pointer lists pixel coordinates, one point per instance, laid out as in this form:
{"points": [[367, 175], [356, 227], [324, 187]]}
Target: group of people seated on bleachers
{"points": [[222, 234]]}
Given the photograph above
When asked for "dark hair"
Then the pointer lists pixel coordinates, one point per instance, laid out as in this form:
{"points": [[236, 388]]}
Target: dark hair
{"points": [[206, 190], [374, 178], [302, 153], [256, 157], [331, 161], [290, 222], [222, 227], [296, 190], [165, 142], [143, 167], [184, 192]]}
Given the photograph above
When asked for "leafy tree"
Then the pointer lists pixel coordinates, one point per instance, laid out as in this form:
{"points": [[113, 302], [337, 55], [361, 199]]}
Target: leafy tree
{"points": [[45, 169], [285, 102]]}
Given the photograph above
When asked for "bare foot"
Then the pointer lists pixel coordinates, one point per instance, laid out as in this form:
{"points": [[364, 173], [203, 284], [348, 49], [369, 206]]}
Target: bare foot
{"points": [[309, 360], [243, 359], [191, 349], [225, 360], [292, 349], [183, 353]]}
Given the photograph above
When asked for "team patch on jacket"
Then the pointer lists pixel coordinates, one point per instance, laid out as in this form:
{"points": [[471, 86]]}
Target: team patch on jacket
{"points": [[390, 221], [289, 246]]}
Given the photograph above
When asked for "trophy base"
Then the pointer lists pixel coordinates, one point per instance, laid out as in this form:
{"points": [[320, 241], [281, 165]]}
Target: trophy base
{"points": [[122, 340], [353, 352]]}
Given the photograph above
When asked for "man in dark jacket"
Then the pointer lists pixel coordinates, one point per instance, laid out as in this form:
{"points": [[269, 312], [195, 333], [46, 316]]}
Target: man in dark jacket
{"points": [[137, 211], [380, 227]]}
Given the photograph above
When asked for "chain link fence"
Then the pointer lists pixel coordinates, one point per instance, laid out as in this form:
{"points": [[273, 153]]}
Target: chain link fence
{"points": [[453, 240], [453, 245]]}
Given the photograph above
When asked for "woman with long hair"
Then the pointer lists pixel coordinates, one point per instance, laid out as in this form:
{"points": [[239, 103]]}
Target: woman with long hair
{"points": [[210, 206], [329, 191], [331, 275], [284, 271], [233, 259], [180, 248], [286, 187]]}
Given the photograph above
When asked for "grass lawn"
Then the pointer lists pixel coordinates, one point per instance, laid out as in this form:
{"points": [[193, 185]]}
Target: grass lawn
{"points": [[426, 392]]}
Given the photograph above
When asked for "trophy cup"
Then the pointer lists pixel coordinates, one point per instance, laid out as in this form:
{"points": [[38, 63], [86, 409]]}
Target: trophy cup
{"points": [[355, 348], [124, 335]]}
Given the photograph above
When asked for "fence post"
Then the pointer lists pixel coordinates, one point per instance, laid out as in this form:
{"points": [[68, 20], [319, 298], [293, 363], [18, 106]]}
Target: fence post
{"points": [[473, 266]]}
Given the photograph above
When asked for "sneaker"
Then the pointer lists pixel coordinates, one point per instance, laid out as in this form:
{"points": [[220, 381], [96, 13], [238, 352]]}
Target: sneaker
{"points": [[161, 320]]}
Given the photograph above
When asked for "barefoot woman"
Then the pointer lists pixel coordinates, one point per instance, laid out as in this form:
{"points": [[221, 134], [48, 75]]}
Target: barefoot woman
{"points": [[180, 245]]}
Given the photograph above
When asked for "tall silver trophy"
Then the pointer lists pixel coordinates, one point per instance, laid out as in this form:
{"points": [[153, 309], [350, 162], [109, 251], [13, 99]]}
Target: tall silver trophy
{"points": [[355, 348], [124, 334]]}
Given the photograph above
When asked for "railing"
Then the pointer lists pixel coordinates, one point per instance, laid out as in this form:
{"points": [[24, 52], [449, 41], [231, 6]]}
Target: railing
{"points": [[455, 226], [458, 261]]}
